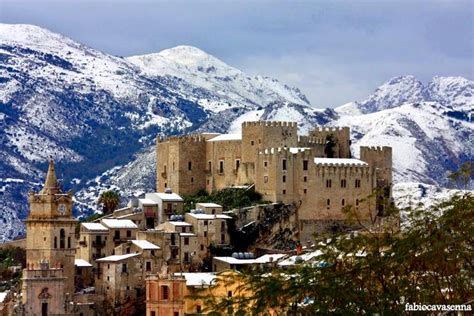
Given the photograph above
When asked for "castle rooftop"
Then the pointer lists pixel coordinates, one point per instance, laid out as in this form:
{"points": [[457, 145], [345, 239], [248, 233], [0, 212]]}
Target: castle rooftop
{"points": [[340, 161], [226, 137]]}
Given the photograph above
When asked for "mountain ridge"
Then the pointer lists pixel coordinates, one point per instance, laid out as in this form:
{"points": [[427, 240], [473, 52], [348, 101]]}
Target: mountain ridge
{"points": [[99, 115]]}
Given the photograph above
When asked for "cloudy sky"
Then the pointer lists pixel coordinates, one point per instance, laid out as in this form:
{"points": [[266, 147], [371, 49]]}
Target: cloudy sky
{"points": [[334, 51]]}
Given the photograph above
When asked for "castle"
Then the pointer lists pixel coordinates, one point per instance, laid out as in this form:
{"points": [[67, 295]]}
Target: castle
{"points": [[315, 171]]}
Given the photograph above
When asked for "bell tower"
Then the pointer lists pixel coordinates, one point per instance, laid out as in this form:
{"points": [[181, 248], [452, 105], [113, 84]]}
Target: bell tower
{"points": [[48, 280]]}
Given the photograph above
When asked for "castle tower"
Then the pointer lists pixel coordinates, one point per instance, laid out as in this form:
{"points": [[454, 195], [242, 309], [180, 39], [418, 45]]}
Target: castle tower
{"points": [[48, 280], [380, 158], [260, 135]]}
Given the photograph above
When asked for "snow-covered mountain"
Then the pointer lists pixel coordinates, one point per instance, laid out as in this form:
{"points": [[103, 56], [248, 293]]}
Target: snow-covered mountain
{"points": [[429, 128], [98, 116], [91, 111]]}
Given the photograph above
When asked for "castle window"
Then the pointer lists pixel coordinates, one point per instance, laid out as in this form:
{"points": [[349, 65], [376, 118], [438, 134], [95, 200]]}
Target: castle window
{"points": [[166, 185], [190, 164], [205, 234], [265, 163], [284, 191], [357, 183], [62, 239], [148, 266], [328, 203], [56, 242], [283, 166], [222, 226], [343, 183], [186, 240], [251, 142], [229, 293], [343, 202], [69, 242], [304, 191], [192, 179], [284, 179], [328, 183], [259, 141], [265, 179], [164, 293], [124, 268], [237, 164], [305, 165], [357, 202], [221, 166], [209, 166], [305, 179], [129, 233]]}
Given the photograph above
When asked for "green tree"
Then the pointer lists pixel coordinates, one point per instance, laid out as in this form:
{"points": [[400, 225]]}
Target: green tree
{"points": [[110, 200], [430, 261]]}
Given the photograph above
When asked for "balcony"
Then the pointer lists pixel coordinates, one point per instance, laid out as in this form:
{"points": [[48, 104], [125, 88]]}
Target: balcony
{"points": [[98, 243]]}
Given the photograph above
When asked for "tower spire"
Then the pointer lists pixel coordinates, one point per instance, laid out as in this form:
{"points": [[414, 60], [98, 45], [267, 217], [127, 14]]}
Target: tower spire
{"points": [[51, 185]]}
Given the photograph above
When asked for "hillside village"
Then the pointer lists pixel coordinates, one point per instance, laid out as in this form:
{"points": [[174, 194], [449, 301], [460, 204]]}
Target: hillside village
{"points": [[152, 255]]}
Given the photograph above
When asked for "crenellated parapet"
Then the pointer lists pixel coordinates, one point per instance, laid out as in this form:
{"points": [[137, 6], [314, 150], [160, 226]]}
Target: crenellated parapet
{"points": [[269, 124], [192, 138]]}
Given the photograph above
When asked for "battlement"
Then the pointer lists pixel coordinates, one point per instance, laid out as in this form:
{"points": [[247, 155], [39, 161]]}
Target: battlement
{"points": [[196, 138], [331, 129], [279, 150], [311, 140], [376, 148], [269, 124]]}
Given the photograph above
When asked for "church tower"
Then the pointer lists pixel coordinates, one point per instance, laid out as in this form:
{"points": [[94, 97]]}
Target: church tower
{"points": [[48, 280]]}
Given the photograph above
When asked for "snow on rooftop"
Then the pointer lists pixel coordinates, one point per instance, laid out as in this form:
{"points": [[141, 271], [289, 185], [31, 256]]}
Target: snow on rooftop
{"points": [[95, 226], [82, 263], [187, 234], [341, 161], [293, 150], [171, 197], [179, 223], [198, 278], [304, 257], [119, 223], [209, 216], [147, 202], [116, 258], [145, 245], [263, 259], [203, 204], [226, 137]]}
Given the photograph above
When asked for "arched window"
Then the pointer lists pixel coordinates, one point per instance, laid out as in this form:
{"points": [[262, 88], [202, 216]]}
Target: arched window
{"points": [[62, 239], [69, 242]]}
